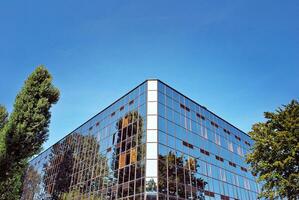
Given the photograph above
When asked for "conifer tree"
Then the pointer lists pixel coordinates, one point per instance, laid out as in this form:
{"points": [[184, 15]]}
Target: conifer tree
{"points": [[25, 130]]}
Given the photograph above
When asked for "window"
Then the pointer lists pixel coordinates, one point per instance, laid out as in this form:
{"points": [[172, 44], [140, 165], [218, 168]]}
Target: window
{"points": [[238, 138], [133, 154], [222, 174], [204, 152], [235, 180], [200, 116], [90, 128], [188, 145], [185, 107], [247, 143], [121, 108], [112, 114], [208, 193], [230, 146], [232, 164], [226, 131], [246, 184], [214, 124], [217, 139], [240, 150], [98, 123], [131, 102], [223, 197], [109, 149], [192, 163], [244, 169], [219, 158], [209, 169], [122, 160], [204, 132]]}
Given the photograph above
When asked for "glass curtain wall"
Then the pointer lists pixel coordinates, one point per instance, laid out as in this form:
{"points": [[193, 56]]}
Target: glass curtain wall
{"points": [[200, 155], [102, 159]]}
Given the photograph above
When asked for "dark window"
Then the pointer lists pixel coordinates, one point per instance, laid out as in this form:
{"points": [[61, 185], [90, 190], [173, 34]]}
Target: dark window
{"points": [[238, 138], [109, 149], [121, 108], [232, 164], [247, 143], [98, 123], [90, 128], [185, 107], [226, 131], [208, 193], [131, 102], [244, 169], [200, 116], [204, 152], [219, 158], [187, 144], [223, 197], [112, 114], [214, 124]]}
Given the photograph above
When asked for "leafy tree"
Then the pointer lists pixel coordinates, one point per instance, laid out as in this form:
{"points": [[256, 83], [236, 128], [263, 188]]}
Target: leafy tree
{"points": [[22, 135], [275, 154]]}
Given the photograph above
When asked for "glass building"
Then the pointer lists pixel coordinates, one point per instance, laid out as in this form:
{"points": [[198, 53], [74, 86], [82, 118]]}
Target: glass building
{"points": [[152, 143]]}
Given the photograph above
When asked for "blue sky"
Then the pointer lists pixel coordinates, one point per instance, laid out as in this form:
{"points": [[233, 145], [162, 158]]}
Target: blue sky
{"points": [[237, 58]]}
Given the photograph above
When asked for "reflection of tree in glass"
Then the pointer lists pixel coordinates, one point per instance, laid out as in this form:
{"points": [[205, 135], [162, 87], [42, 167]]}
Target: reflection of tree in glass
{"points": [[183, 180], [76, 168], [77, 155], [126, 152], [59, 168], [151, 185], [31, 183]]}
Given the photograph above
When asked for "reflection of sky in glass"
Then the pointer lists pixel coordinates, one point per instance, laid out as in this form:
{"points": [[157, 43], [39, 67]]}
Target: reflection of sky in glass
{"points": [[191, 132]]}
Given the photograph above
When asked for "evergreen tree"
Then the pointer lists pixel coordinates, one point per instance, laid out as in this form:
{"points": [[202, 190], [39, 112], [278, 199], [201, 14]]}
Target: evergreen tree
{"points": [[275, 154], [3, 116], [26, 129]]}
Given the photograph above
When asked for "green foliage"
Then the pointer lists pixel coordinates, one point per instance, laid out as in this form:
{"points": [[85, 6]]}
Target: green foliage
{"points": [[26, 129], [3, 121], [275, 154], [3, 116]]}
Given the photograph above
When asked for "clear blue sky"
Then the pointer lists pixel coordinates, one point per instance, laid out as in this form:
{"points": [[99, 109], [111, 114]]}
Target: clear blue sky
{"points": [[237, 58]]}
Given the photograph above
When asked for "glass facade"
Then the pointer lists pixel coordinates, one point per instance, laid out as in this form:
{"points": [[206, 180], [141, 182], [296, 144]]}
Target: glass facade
{"points": [[201, 156], [153, 143]]}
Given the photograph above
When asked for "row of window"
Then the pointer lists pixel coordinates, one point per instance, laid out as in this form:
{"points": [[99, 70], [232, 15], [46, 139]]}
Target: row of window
{"points": [[127, 190], [122, 108], [222, 159], [172, 98], [191, 149], [104, 118], [181, 133], [130, 118], [197, 165], [187, 185], [213, 123], [177, 122]]}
